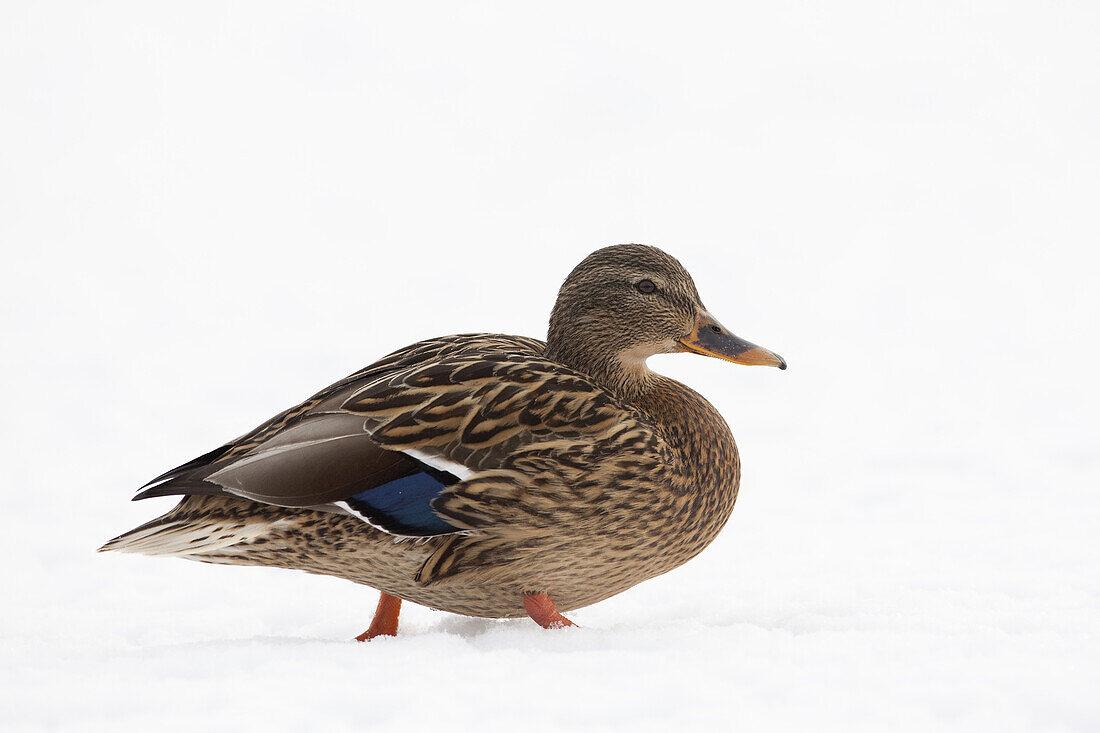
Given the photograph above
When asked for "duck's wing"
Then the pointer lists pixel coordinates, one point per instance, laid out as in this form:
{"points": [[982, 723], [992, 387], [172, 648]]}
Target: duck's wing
{"points": [[316, 455], [446, 436], [326, 461], [330, 398]]}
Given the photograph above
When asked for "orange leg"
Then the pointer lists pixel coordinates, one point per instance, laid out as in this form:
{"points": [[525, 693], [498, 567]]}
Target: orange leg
{"points": [[544, 612], [385, 618]]}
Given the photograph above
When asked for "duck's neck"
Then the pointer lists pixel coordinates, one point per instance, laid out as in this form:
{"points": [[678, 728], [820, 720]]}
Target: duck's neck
{"points": [[623, 373]]}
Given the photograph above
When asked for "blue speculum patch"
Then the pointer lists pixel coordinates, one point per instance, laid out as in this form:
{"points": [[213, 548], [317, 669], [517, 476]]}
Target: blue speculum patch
{"points": [[403, 506]]}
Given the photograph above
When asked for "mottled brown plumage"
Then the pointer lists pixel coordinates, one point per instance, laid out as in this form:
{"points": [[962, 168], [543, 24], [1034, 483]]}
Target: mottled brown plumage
{"points": [[566, 468]]}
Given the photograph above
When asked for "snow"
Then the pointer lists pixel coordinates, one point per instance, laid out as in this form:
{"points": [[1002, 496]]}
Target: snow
{"points": [[209, 211]]}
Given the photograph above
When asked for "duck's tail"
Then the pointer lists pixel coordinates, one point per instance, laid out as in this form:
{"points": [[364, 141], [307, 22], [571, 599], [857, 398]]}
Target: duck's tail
{"points": [[198, 525]]}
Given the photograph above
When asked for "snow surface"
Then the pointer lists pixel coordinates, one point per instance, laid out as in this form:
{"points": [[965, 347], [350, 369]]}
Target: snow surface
{"points": [[210, 210]]}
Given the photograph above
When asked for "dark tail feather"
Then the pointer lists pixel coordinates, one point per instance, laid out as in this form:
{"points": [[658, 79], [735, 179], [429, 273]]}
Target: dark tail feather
{"points": [[204, 460], [181, 487]]}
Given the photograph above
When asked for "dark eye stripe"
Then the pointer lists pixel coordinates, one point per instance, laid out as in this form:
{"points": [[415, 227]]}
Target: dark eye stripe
{"points": [[646, 287]]}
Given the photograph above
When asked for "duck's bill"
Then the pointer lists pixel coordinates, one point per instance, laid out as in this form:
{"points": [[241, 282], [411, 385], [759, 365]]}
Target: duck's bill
{"points": [[711, 338]]}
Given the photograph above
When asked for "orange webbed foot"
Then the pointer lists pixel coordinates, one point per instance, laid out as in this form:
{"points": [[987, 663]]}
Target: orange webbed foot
{"points": [[384, 622], [544, 612]]}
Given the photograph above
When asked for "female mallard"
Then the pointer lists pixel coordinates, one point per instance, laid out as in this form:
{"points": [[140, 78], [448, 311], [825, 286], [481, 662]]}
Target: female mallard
{"points": [[525, 474]]}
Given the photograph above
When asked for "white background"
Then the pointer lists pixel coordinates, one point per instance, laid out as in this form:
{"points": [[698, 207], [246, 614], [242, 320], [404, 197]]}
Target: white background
{"points": [[208, 211]]}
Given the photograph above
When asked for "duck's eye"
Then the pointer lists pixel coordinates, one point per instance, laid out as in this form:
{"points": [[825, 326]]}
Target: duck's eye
{"points": [[646, 287]]}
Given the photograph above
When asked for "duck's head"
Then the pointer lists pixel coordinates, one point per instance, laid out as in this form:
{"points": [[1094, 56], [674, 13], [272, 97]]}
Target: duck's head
{"points": [[625, 303]]}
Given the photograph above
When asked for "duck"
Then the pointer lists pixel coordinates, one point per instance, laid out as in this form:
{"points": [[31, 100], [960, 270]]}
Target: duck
{"points": [[484, 474]]}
